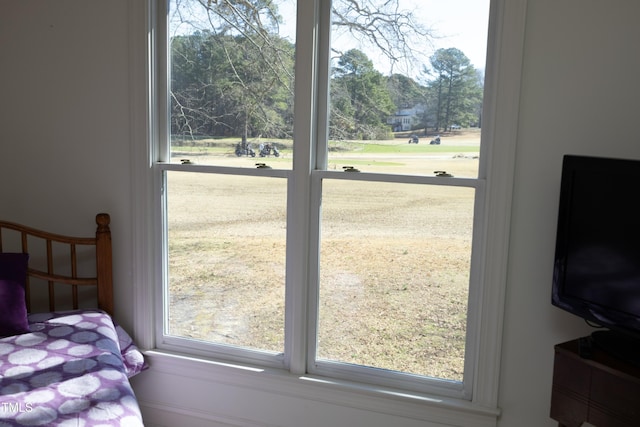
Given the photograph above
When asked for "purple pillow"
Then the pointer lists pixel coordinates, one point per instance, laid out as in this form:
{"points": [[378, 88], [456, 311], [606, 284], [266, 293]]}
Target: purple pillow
{"points": [[13, 307]]}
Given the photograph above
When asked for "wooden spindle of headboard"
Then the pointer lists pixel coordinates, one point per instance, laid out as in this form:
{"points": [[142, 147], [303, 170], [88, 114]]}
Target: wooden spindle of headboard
{"points": [[103, 277]]}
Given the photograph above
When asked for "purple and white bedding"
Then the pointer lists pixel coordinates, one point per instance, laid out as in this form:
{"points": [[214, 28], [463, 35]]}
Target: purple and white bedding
{"points": [[72, 369]]}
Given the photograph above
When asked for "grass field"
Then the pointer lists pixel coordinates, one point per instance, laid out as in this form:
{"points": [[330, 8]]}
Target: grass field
{"points": [[394, 259]]}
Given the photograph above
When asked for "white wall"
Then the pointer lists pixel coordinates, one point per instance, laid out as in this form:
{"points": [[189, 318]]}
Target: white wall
{"points": [[580, 95], [64, 65], [65, 122]]}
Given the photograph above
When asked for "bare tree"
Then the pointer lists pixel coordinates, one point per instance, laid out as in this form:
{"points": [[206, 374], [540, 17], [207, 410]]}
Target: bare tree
{"points": [[380, 24], [384, 26]]}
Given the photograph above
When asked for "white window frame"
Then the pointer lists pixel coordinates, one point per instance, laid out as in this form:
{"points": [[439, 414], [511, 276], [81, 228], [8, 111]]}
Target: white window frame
{"points": [[500, 120]]}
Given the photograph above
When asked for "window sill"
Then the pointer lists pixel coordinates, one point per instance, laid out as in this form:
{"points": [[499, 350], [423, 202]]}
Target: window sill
{"points": [[449, 411]]}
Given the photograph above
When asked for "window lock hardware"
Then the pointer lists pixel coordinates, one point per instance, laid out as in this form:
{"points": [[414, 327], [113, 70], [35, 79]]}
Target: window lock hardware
{"points": [[442, 173], [186, 162], [263, 166], [350, 169]]}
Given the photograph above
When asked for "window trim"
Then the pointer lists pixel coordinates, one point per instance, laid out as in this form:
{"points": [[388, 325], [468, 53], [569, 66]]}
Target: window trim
{"points": [[504, 65]]}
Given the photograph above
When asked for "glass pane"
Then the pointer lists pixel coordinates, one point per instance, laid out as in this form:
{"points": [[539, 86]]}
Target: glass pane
{"points": [[407, 82], [226, 259], [231, 94], [394, 276]]}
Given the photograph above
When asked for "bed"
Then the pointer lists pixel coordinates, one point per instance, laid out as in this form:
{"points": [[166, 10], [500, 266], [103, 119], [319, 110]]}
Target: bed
{"points": [[64, 363]]}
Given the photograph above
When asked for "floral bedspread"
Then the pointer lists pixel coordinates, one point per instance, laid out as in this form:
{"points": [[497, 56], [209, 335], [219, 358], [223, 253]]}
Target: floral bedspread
{"points": [[73, 369]]}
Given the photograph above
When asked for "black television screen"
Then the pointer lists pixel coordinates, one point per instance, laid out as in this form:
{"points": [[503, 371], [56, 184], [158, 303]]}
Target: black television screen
{"points": [[597, 258]]}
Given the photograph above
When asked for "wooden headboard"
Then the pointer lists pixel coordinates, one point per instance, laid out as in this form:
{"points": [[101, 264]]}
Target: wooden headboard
{"points": [[64, 270]]}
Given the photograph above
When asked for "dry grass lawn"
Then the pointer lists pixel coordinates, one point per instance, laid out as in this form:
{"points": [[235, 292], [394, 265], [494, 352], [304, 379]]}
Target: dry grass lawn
{"points": [[394, 262]]}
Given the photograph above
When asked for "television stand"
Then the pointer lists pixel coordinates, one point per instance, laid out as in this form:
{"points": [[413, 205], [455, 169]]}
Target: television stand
{"points": [[601, 390], [618, 345]]}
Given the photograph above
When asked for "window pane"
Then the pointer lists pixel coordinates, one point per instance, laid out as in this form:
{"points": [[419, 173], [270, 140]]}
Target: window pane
{"points": [[407, 84], [226, 261], [232, 81], [394, 276]]}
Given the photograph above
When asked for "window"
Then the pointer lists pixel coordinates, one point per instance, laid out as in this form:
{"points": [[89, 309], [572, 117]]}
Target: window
{"points": [[298, 229]]}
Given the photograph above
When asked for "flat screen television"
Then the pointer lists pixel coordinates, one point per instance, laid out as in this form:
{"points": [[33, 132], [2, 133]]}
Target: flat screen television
{"points": [[597, 256]]}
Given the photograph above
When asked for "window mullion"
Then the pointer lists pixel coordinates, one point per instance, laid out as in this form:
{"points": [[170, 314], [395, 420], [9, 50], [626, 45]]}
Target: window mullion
{"points": [[298, 203], [320, 149], [314, 270]]}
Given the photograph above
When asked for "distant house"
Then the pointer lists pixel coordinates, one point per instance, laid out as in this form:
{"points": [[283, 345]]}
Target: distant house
{"points": [[404, 119]]}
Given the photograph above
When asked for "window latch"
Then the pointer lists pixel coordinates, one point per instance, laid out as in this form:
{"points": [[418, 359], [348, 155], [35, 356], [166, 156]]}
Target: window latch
{"points": [[350, 169], [263, 166], [442, 173]]}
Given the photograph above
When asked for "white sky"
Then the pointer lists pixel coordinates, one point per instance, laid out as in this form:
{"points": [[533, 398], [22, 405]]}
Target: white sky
{"points": [[463, 23], [457, 23]]}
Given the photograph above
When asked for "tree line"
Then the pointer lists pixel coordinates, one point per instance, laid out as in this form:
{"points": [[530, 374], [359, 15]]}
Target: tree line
{"points": [[241, 84]]}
